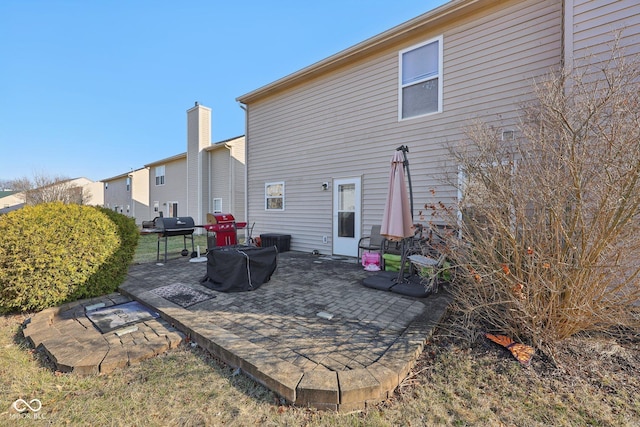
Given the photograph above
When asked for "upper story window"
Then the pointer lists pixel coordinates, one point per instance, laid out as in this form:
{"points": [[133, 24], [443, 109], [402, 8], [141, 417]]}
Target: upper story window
{"points": [[128, 184], [274, 196], [421, 79], [160, 175]]}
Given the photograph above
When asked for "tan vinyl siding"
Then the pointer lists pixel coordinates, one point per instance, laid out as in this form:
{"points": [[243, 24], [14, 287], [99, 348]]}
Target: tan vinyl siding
{"points": [[174, 188], [140, 195], [346, 124], [237, 174], [594, 23], [226, 165], [220, 182], [116, 194]]}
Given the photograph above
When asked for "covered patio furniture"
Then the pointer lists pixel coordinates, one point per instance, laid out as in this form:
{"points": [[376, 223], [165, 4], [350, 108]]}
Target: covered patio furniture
{"points": [[239, 269]]}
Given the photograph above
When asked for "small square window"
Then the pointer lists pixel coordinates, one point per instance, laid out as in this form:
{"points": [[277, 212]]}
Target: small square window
{"points": [[217, 205], [508, 135], [274, 196]]}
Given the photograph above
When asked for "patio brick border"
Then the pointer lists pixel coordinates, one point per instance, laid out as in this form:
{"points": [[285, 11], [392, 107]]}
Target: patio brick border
{"points": [[74, 345], [320, 388]]}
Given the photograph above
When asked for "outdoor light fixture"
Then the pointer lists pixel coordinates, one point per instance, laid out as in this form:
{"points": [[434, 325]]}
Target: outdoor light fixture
{"points": [[325, 186]]}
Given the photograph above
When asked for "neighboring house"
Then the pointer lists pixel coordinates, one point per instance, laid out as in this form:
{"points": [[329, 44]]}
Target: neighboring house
{"points": [[205, 179], [319, 141], [128, 194], [167, 182], [92, 191], [10, 201], [88, 192]]}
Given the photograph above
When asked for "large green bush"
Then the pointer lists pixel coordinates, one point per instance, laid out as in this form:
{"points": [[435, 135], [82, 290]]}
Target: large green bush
{"points": [[114, 270], [48, 252]]}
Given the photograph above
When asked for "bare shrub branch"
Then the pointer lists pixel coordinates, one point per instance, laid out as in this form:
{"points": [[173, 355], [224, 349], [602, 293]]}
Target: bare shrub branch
{"points": [[550, 220]]}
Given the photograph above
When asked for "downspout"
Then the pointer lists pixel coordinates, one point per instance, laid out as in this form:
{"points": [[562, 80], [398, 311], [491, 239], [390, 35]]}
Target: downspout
{"points": [[131, 199], [246, 162], [231, 181], [566, 59]]}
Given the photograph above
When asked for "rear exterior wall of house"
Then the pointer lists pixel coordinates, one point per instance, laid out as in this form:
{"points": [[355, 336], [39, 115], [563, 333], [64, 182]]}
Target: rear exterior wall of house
{"points": [[346, 123]]}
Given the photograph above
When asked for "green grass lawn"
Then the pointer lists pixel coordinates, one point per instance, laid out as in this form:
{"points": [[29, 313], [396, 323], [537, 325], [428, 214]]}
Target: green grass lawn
{"points": [[148, 247]]}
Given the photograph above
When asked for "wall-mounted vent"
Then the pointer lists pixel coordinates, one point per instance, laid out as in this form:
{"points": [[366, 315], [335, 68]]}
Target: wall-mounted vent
{"points": [[508, 135]]}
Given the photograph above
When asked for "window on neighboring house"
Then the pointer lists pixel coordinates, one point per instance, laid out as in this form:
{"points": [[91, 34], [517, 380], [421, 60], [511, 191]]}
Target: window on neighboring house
{"points": [[274, 196], [421, 79], [128, 184], [160, 175], [217, 205]]}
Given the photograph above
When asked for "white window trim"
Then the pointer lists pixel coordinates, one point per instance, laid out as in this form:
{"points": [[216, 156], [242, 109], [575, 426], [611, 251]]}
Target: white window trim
{"points": [[266, 205], [219, 200], [439, 76], [163, 175]]}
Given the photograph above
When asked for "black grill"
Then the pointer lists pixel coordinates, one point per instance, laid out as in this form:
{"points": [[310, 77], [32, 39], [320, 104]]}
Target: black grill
{"points": [[174, 226]]}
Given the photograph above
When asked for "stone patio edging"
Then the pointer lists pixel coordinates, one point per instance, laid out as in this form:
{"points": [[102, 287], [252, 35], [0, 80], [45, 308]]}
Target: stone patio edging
{"points": [[75, 345], [321, 388]]}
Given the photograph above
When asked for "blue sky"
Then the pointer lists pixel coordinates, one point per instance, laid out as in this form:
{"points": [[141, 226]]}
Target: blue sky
{"points": [[96, 88]]}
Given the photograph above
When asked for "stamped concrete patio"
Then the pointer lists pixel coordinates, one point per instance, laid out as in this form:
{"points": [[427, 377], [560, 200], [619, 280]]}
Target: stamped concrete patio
{"points": [[313, 334]]}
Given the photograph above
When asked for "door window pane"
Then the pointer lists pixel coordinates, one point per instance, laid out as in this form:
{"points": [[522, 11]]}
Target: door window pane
{"points": [[346, 210]]}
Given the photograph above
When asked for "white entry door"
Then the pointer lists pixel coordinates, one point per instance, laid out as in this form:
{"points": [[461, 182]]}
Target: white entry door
{"points": [[346, 216]]}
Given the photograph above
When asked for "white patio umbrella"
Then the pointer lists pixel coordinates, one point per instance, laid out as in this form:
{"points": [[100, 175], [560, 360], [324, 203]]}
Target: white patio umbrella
{"points": [[397, 220]]}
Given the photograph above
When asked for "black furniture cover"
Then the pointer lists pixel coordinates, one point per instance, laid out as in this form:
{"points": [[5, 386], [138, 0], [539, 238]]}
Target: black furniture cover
{"points": [[239, 269]]}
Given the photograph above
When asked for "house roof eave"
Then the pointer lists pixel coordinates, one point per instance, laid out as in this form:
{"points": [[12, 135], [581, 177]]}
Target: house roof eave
{"points": [[393, 36], [167, 160]]}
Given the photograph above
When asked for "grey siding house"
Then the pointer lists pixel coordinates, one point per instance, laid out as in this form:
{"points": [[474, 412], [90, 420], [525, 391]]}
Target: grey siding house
{"points": [[319, 141]]}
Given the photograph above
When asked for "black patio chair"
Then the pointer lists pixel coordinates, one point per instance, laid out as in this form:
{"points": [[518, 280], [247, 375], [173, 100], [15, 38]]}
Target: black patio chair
{"points": [[372, 242]]}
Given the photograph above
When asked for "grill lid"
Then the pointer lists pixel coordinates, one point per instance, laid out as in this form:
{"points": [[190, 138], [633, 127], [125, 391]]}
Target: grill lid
{"points": [[175, 225], [217, 218]]}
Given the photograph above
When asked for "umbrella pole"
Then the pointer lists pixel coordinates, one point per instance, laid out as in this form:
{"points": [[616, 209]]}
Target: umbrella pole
{"points": [[404, 249], [405, 164]]}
